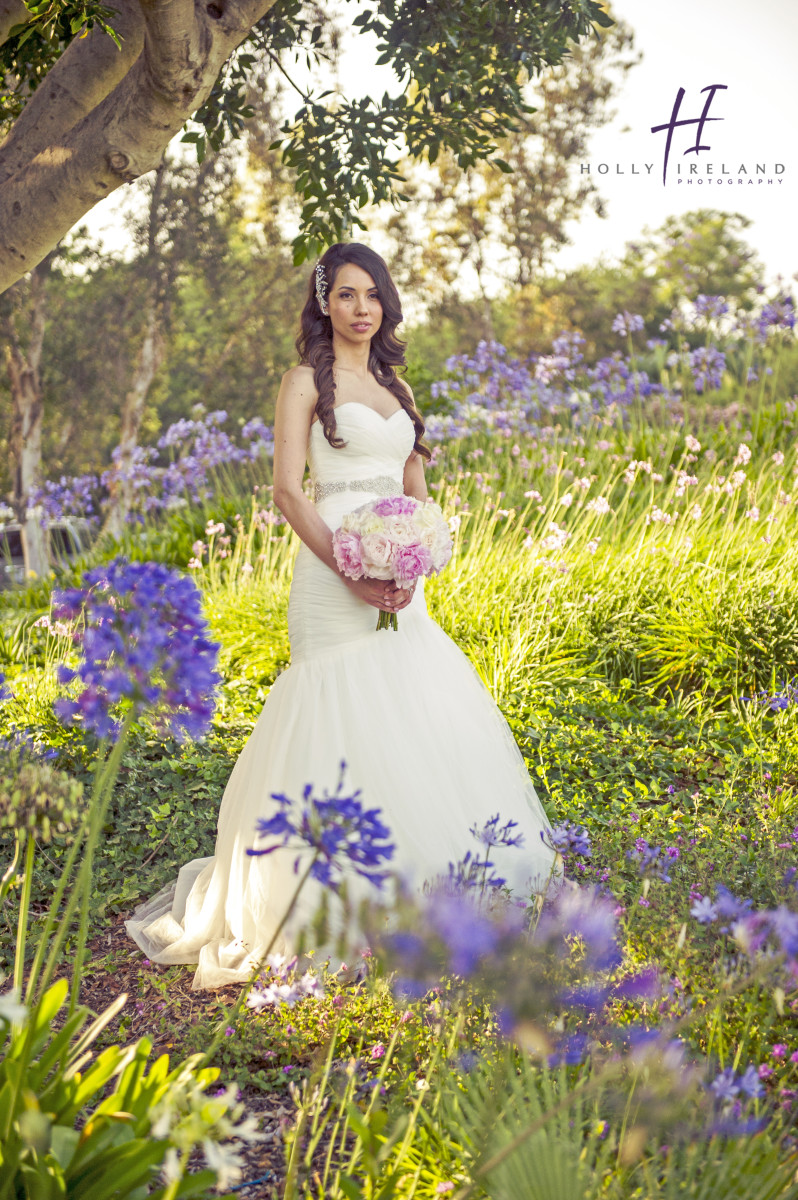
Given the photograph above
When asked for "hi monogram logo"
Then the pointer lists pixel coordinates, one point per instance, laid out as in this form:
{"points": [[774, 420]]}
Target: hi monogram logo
{"points": [[676, 122]]}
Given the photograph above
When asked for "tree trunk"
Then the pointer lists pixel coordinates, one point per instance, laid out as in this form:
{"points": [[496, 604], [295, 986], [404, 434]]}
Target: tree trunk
{"points": [[150, 357], [25, 442], [104, 116]]}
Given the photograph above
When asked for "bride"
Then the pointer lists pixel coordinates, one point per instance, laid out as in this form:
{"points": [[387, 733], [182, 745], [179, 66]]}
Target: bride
{"points": [[421, 735]]}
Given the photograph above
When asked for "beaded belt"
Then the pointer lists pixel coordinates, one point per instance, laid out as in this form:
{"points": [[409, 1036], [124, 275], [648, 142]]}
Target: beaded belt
{"points": [[382, 485]]}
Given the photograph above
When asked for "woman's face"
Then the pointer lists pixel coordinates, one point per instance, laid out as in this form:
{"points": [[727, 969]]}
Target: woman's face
{"points": [[355, 309]]}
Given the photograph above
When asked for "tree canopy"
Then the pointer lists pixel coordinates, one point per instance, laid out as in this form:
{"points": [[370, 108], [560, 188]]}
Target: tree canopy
{"points": [[91, 95]]}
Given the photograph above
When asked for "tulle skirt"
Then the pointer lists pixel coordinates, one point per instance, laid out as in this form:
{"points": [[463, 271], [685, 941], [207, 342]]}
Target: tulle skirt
{"points": [[422, 739]]}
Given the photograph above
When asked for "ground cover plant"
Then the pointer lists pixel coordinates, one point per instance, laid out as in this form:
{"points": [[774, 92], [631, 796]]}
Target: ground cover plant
{"points": [[624, 579]]}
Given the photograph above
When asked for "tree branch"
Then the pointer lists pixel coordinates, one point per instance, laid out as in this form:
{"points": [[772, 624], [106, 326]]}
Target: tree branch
{"points": [[125, 135], [12, 12], [83, 76]]}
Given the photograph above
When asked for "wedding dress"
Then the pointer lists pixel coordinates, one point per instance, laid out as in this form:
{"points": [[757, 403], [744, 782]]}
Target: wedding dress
{"points": [[406, 710]]}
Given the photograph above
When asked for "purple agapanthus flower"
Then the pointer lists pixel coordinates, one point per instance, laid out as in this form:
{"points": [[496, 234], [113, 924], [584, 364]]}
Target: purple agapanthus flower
{"points": [[5, 693], [145, 646], [493, 834], [709, 306], [725, 1085], [704, 911], [778, 314], [570, 1050], [471, 871], [626, 322], [471, 935], [568, 838], [751, 1084], [707, 364], [587, 914], [651, 861], [336, 828]]}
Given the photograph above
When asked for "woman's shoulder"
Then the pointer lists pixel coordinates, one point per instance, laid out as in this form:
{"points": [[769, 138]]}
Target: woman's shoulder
{"points": [[300, 378]]}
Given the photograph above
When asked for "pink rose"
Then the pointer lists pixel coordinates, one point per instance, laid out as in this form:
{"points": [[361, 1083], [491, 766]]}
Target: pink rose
{"points": [[376, 552], [395, 506], [346, 548], [409, 562]]}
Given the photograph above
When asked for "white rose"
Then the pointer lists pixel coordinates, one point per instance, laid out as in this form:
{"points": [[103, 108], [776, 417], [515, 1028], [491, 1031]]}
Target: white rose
{"points": [[428, 515], [400, 529], [377, 551]]}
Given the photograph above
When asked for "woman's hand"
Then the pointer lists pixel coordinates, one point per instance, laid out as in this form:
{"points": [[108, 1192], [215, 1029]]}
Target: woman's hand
{"points": [[381, 593]]}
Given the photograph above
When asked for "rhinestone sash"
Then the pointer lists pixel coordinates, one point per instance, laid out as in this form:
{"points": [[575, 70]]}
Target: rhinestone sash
{"points": [[382, 485]]}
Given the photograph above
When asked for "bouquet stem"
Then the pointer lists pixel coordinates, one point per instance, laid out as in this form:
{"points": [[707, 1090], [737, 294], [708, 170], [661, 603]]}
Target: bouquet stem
{"points": [[387, 620]]}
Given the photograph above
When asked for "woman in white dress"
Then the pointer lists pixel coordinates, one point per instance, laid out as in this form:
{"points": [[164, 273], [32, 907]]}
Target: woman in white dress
{"points": [[421, 735]]}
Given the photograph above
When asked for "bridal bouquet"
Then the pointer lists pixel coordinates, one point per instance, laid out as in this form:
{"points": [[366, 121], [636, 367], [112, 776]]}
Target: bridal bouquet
{"points": [[397, 538]]}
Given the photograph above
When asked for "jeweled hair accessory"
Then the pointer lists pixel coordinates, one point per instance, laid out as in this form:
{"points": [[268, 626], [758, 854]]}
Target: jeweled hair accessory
{"points": [[321, 289]]}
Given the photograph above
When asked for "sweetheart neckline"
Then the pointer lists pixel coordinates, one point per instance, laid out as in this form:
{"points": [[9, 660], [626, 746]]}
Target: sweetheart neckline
{"points": [[368, 408]]}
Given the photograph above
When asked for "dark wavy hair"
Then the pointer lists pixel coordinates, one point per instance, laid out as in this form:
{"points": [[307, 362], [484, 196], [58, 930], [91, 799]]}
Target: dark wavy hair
{"points": [[386, 353]]}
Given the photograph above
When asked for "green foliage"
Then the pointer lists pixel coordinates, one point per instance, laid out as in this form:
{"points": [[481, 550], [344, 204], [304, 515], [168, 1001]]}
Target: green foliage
{"points": [[44, 37], [700, 252], [464, 63], [74, 1130]]}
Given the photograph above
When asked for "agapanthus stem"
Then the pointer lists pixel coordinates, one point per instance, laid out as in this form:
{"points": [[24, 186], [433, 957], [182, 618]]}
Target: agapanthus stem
{"points": [[239, 1004], [24, 905], [8, 874], [99, 806], [101, 793]]}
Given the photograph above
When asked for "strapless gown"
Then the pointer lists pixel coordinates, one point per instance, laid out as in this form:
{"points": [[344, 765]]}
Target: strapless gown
{"points": [[406, 710]]}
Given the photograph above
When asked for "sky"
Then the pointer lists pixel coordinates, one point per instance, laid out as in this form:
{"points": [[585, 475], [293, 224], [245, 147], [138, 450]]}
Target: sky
{"points": [[691, 44]]}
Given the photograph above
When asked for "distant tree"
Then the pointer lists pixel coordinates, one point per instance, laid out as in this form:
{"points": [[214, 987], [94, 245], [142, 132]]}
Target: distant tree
{"points": [[701, 252], [23, 319], [491, 224]]}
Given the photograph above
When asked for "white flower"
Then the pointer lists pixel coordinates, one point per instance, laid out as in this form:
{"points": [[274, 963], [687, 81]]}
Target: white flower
{"points": [[692, 444], [171, 1169], [556, 538], [226, 1161], [533, 495], [566, 500], [661, 517], [695, 512], [743, 455], [11, 1009], [777, 458], [592, 545], [401, 530], [753, 513], [280, 963], [599, 504], [377, 551]]}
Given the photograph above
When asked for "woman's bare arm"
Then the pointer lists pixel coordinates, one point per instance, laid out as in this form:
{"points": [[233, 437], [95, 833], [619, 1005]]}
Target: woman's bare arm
{"points": [[296, 402], [414, 482], [414, 479]]}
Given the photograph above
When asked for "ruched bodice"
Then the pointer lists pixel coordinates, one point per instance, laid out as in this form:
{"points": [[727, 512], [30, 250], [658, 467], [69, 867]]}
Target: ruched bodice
{"points": [[376, 448]]}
